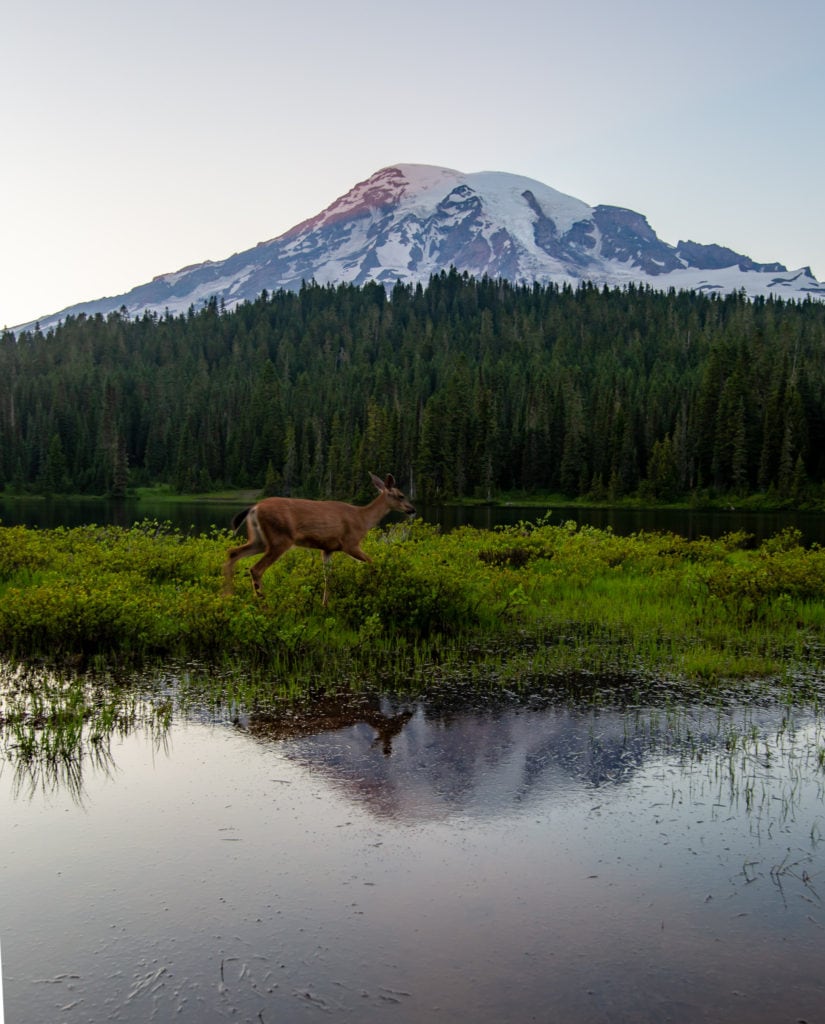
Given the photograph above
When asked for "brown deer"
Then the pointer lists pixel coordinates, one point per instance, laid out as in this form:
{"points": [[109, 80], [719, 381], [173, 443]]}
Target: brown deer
{"points": [[274, 525]]}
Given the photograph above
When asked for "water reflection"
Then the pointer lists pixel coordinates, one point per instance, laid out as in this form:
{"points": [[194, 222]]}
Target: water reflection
{"points": [[418, 759], [203, 515], [443, 764], [56, 729], [484, 859], [329, 714], [38, 771], [425, 762]]}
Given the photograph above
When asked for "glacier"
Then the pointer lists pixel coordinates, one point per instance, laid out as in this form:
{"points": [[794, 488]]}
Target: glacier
{"points": [[408, 222]]}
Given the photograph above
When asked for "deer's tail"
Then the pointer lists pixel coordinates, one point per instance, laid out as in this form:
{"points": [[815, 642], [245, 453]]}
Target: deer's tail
{"points": [[238, 519]]}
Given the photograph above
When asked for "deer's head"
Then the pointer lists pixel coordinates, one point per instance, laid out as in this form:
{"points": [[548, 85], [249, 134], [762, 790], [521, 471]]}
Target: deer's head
{"points": [[396, 499]]}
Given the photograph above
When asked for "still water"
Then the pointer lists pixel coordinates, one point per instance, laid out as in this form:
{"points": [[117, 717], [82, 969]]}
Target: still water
{"points": [[201, 517], [479, 860]]}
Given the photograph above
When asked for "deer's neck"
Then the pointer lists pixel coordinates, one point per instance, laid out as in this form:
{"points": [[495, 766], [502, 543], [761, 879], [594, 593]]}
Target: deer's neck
{"points": [[373, 513]]}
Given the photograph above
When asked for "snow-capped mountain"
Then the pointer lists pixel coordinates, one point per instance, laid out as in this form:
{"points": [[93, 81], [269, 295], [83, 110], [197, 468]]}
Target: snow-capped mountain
{"points": [[410, 221]]}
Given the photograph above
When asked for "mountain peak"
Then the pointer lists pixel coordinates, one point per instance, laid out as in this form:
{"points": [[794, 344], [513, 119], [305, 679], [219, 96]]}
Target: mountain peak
{"points": [[408, 221], [382, 190]]}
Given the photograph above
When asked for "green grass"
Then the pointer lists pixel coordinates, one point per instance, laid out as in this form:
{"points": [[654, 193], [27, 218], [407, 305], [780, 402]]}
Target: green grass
{"points": [[540, 598]]}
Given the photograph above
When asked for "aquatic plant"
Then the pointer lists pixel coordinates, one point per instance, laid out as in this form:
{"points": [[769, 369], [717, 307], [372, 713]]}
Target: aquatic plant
{"points": [[56, 724]]}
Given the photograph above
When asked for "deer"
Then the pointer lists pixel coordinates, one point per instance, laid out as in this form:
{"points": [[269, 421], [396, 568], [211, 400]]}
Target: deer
{"points": [[274, 525]]}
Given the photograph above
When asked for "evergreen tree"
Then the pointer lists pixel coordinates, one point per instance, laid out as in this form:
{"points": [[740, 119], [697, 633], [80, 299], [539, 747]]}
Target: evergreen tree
{"points": [[465, 387], [54, 477]]}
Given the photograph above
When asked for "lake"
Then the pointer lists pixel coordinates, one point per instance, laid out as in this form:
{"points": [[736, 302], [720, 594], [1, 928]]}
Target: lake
{"points": [[478, 857], [198, 517]]}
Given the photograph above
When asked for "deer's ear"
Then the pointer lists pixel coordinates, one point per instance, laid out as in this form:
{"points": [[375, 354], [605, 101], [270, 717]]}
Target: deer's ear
{"points": [[389, 483], [379, 483]]}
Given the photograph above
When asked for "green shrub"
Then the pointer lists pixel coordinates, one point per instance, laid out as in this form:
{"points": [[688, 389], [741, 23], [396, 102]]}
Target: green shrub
{"points": [[584, 599]]}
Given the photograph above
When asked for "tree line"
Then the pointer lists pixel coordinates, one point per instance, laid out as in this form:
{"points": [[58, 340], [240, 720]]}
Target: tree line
{"points": [[461, 388]]}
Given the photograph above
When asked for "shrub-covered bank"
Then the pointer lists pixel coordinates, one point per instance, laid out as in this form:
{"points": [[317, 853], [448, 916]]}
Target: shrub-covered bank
{"points": [[531, 599]]}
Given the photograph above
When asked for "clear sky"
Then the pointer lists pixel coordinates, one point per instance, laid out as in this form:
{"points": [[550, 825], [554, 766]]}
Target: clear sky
{"points": [[140, 136]]}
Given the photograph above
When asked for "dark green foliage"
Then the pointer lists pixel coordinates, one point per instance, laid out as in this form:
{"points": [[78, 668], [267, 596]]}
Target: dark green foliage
{"points": [[463, 389], [406, 594]]}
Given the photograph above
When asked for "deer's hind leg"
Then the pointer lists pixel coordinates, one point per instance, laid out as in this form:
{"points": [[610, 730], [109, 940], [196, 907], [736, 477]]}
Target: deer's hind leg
{"points": [[254, 546], [274, 551]]}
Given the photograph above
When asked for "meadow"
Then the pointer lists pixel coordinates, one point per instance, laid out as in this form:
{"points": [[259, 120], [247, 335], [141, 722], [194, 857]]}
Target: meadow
{"points": [[540, 600]]}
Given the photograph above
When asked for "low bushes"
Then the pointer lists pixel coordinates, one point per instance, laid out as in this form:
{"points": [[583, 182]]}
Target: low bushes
{"points": [[575, 599]]}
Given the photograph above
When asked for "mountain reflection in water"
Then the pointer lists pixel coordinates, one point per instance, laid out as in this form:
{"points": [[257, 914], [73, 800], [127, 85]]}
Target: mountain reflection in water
{"points": [[424, 762]]}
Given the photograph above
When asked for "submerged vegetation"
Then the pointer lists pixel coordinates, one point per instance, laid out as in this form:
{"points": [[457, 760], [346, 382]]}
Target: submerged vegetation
{"points": [[536, 600]]}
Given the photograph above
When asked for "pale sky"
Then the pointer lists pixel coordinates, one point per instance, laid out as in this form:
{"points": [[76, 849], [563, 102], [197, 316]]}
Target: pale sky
{"points": [[140, 137]]}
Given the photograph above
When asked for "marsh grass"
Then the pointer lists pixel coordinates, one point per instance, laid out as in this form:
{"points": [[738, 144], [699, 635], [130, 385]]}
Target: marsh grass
{"points": [[535, 598], [54, 726]]}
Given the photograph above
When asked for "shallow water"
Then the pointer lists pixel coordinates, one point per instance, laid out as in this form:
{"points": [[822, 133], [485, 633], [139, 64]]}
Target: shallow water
{"points": [[519, 862]]}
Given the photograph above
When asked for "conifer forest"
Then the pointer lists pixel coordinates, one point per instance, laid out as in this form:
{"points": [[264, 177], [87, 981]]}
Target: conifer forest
{"points": [[462, 388]]}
